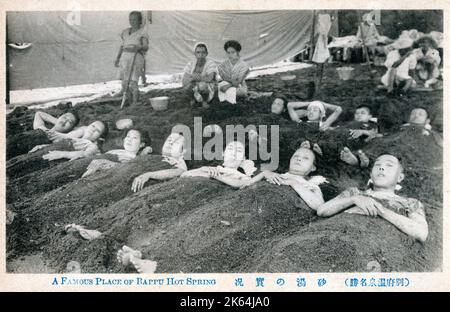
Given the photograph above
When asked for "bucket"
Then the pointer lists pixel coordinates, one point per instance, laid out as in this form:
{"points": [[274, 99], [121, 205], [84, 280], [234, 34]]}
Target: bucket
{"points": [[160, 103], [345, 73]]}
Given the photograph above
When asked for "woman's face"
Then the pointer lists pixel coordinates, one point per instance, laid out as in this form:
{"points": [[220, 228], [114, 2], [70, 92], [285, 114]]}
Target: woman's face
{"points": [[418, 116], [233, 155], [277, 106], [132, 142], [232, 54], [65, 122], [174, 146], [385, 172], [313, 113], [200, 53], [302, 162], [425, 45], [134, 21], [94, 131]]}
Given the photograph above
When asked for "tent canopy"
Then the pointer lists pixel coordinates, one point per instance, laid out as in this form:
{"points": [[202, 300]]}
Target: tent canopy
{"points": [[69, 50]]}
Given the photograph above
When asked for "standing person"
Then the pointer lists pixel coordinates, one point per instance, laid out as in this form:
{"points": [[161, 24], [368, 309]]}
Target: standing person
{"points": [[233, 72], [200, 76], [134, 45], [321, 53]]}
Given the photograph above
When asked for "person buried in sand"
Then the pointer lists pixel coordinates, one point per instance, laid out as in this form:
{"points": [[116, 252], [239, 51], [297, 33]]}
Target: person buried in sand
{"points": [[228, 173], [279, 106], [173, 153], [233, 72], [300, 166], [315, 113], [407, 214], [419, 119], [362, 126], [41, 133], [84, 142], [130, 58], [200, 76], [134, 141]]}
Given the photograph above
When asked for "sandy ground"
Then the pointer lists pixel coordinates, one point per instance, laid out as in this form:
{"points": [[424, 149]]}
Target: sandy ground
{"points": [[203, 226]]}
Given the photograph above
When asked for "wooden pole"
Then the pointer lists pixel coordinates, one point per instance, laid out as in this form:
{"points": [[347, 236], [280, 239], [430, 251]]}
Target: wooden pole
{"points": [[313, 30], [128, 82], [360, 24]]}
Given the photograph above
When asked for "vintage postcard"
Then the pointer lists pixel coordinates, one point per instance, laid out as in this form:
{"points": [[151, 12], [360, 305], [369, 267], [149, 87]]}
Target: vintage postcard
{"points": [[241, 146]]}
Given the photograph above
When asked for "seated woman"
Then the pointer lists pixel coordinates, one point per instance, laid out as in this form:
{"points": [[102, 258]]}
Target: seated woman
{"points": [[225, 231], [407, 214], [315, 113], [41, 134], [173, 152], [80, 143], [200, 76], [427, 68], [233, 159], [233, 72]]}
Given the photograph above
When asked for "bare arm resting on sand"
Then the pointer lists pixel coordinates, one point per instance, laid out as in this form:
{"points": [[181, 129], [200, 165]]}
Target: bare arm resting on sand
{"points": [[53, 155], [40, 118], [415, 225], [58, 136], [311, 194], [295, 111], [337, 110], [239, 183], [338, 204], [167, 174]]}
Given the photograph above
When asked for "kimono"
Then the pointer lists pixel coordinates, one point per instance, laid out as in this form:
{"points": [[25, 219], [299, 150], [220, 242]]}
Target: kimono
{"points": [[229, 72]]}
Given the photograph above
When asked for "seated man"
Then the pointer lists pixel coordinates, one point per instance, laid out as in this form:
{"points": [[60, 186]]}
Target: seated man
{"points": [[428, 60], [46, 129]]}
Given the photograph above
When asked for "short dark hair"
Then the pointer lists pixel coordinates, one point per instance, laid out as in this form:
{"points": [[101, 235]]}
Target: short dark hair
{"points": [[201, 45], [283, 98], [138, 14], [364, 106], [425, 38], [421, 107], [106, 131], [145, 137], [233, 44], [390, 153], [75, 114]]}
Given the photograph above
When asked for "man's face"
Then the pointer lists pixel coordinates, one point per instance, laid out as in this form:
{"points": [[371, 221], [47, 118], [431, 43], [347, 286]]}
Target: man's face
{"points": [[418, 116], [65, 123], [362, 115]]}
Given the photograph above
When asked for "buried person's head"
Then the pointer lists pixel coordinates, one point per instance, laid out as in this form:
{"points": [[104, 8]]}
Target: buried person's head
{"points": [[419, 117], [174, 146], [96, 130], [234, 155], [66, 122], [387, 173], [279, 104], [315, 111], [363, 114], [302, 162], [135, 139]]}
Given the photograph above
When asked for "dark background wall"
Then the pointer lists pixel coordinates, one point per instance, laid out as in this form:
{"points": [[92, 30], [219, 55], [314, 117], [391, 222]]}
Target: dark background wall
{"points": [[393, 22]]}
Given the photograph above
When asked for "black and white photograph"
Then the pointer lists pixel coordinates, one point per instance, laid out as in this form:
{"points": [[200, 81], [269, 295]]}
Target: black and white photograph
{"points": [[224, 141]]}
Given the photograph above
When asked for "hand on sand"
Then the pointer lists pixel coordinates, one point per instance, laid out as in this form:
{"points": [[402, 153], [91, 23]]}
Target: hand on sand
{"points": [[213, 172], [53, 155], [369, 206], [139, 182], [348, 157], [55, 136], [37, 147], [354, 134], [10, 216], [274, 178]]}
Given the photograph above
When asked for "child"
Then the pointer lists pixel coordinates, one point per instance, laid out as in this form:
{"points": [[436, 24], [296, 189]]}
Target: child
{"points": [[315, 113], [407, 214], [173, 153], [134, 45], [134, 141]]}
